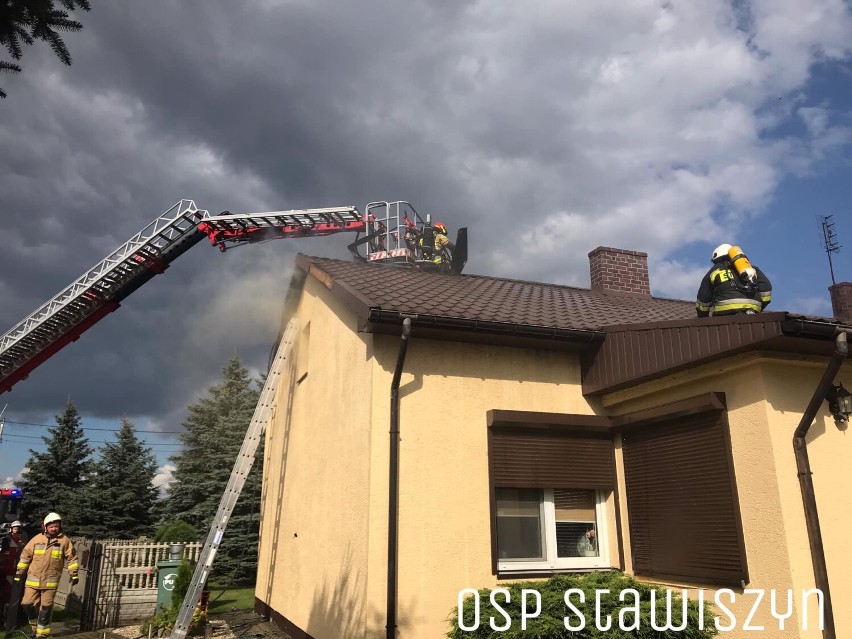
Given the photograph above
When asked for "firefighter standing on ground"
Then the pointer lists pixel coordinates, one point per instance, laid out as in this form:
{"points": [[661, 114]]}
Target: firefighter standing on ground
{"points": [[42, 561], [16, 541], [726, 291]]}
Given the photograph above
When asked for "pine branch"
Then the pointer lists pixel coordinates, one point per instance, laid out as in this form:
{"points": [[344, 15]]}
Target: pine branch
{"points": [[12, 39], [65, 24], [25, 21], [59, 48], [71, 5], [8, 67], [24, 35]]}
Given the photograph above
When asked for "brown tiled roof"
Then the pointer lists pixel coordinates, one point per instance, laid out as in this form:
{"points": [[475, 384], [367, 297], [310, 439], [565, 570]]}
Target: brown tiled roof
{"points": [[630, 338], [492, 299]]}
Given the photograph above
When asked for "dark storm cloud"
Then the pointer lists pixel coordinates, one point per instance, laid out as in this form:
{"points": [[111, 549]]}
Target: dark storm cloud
{"points": [[94, 152], [280, 91]]}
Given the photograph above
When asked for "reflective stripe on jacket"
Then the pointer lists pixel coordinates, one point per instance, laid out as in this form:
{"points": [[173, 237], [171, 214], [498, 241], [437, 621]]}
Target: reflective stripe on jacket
{"points": [[441, 242], [43, 559], [723, 292]]}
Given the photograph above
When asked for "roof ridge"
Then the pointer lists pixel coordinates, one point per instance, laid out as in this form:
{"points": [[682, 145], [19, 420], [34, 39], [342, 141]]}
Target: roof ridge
{"points": [[534, 282]]}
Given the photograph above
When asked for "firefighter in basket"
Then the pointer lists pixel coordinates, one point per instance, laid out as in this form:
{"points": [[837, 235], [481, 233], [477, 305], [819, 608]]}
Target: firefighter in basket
{"points": [[436, 246]]}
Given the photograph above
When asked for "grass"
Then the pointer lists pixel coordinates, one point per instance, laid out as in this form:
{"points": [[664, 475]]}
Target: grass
{"points": [[239, 597]]}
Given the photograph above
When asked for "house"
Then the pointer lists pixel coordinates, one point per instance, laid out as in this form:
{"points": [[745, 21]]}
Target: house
{"points": [[530, 414]]}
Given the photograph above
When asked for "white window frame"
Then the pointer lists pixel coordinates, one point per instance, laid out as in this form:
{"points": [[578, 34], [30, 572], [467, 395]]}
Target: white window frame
{"points": [[551, 561]]}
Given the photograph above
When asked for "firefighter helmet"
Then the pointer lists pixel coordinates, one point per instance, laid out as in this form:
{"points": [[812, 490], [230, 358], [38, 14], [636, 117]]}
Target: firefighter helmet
{"points": [[720, 252], [16, 523], [51, 518], [439, 226]]}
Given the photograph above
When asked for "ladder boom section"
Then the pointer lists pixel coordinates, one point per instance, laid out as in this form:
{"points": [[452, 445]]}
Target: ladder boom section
{"points": [[97, 292], [242, 466], [227, 229]]}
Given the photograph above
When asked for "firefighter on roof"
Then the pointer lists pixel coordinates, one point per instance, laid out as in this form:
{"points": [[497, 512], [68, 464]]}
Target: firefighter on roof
{"points": [[42, 561], [732, 285]]}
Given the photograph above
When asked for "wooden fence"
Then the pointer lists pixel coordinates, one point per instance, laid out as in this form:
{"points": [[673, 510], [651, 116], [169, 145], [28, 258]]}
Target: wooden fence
{"points": [[118, 581]]}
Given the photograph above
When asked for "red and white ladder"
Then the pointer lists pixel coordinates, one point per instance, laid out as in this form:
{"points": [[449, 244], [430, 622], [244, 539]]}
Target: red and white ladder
{"points": [[96, 293]]}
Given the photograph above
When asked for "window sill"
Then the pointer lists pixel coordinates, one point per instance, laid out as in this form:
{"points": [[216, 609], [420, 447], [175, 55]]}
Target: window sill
{"points": [[689, 581], [549, 572]]}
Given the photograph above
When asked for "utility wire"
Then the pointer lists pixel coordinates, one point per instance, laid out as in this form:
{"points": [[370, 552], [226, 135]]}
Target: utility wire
{"points": [[110, 430], [92, 441]]}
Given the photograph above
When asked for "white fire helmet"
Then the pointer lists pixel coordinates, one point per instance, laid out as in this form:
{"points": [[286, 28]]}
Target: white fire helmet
{"points": [[51, 517], [721, 251]]}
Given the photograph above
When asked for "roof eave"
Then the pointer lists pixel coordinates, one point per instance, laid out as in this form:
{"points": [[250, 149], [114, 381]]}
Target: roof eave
{"points": [[663, 348], [378, 316]]}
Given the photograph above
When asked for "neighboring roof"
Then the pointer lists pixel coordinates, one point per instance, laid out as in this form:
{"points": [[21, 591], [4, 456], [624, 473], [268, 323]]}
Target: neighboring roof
{"points": [[490, 299]]}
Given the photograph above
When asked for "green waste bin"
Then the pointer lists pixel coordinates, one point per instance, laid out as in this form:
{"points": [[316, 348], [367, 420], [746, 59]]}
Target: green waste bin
{"points": [[166, 577]]}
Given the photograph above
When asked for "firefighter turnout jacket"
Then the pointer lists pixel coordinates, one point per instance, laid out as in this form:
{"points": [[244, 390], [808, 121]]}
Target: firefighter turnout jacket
{"points": [[43, 559], [723, 291], [433, 243], [441, 242]]}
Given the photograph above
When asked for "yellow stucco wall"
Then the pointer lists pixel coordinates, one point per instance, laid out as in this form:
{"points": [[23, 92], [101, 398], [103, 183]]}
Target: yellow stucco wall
{"points": [[331, 580], [444, 518], [789, 388], [323, 555], [313, 549], [766, 397]]}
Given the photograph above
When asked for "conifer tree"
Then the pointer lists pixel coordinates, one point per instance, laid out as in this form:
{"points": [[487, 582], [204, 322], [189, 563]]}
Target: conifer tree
{"points": [[22, 22], [215, 427], [55, 479], [120, 499]]}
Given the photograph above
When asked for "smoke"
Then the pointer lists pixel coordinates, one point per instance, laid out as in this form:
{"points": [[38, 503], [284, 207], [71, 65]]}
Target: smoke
{"points": [[163, 478]]}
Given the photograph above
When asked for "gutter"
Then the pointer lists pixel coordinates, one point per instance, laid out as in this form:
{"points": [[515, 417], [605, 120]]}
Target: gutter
{"points": [[801, 327], [377, 315], [393, 482], [803, 464]]}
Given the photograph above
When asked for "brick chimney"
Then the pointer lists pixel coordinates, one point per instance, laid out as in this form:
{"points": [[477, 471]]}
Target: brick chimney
{"points": [[841, 301], [619, 271]]}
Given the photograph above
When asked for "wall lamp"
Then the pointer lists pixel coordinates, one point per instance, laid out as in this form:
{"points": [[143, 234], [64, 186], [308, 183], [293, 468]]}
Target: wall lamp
{"points": [[839, 402]]}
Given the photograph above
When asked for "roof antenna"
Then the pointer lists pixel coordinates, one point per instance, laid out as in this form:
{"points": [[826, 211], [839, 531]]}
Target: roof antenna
{"points": [[829, 241]]}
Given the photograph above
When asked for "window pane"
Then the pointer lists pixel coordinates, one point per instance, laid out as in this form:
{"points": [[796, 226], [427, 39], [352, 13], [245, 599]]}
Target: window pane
{"points": [[519, 524], [576, 529]]}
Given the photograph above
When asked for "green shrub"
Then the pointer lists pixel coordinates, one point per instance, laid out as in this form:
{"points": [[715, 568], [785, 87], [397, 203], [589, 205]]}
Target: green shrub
{"points": [[163, 618], [166, 617], [182, 580], [175, 532], [550, 623]]}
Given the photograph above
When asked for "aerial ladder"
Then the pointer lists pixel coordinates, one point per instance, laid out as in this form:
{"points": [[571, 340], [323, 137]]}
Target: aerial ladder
{"points": [[388, 233], [393, 234]]}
